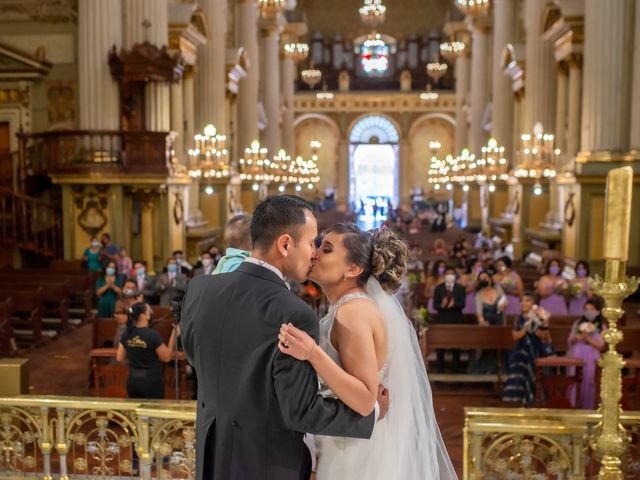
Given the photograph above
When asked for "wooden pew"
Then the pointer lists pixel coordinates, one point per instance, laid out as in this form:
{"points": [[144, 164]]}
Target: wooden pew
{"points": [[7, 340], [55, 296], [26, 312], [553, 381], [104, 329]]}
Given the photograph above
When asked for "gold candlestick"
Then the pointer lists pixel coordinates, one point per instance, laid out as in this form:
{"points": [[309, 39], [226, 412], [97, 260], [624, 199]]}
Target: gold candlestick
{"points": [[610, 438]]}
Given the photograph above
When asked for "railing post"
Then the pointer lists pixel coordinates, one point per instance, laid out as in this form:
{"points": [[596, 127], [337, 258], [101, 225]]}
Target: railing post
{"points": [[144, 453], [476, 456], [61, 443], [45, 442]]}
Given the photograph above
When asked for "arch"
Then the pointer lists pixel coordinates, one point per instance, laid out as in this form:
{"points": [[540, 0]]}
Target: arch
{"points": [[431, 116], [366, 126], [317, 116]]}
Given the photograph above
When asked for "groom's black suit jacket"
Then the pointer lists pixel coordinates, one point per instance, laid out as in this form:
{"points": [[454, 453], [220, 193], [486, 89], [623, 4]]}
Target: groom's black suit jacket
{"points": [[254, 403]]}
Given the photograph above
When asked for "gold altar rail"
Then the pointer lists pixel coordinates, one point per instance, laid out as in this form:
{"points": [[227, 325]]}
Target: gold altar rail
{"points": [[77, 437], [539, 444]]}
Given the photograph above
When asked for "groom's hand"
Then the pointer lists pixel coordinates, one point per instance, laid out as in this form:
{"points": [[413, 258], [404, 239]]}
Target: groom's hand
{"points": [[383, 401]]}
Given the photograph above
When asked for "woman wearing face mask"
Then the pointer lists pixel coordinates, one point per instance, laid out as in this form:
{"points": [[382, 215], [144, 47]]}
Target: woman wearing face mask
{"points": [[511, 285], [579, 289], [108, 290], [586, 343], [130, 296], [470, 283], [91, 255], [551, 289], [433, 280]]}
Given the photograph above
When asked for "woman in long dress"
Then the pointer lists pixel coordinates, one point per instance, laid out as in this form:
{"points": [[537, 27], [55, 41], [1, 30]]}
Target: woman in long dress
{"points": [[366, 340], [551, 289], [579, 291], [511, 285]]}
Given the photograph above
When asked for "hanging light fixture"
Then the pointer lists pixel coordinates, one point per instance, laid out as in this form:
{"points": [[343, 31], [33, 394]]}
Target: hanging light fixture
{"points": [[324, 94], [373, 13], [209, 157], [270, 8], [311, 76], [296, 51], [473, 7], [537, 156], [254, 166], [452, 49], [428, 95], [436, 69], [493, 165]]}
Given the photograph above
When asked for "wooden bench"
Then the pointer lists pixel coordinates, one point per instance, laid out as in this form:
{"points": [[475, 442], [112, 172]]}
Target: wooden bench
{"points": [[26, 313], [55, 296], [553, 381], [104, 330]]}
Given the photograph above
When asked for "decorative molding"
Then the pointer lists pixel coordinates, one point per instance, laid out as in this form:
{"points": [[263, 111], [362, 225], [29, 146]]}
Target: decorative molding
{"points": [[145, 63], [16, 65], [50, 11], [92, 205], [570, 209], [366, 102], [178, 209], [15, 96]]}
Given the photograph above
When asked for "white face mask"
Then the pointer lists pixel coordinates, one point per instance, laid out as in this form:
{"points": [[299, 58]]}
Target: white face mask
{"points": [[449, 279], [206, 262]]}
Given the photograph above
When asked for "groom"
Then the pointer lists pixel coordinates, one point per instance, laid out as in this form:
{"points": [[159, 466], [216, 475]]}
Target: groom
{"points": [[254, 403]]}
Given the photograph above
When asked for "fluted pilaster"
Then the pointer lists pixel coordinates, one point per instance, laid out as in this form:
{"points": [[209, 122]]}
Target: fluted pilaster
{"points": [[575, 105], [635, 89], [99, 30], [462, 100], [480, 80], [561, 111], [288, 70], [272, 138], [146, 21], [247, 15]]}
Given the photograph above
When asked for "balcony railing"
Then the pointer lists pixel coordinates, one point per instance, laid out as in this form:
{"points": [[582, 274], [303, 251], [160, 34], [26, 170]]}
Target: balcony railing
{"points": [[539, 444], [74, 437]]}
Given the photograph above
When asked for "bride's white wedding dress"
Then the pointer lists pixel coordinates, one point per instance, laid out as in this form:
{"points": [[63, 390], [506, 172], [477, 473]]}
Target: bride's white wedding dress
{"points": [[406, 444]]}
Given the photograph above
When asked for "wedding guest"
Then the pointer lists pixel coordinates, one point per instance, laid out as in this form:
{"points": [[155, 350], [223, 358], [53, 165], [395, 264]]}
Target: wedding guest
{"points": [[146, 352], [436, 278], [108, 290], [579, 291], [551, 289], [470, 283], [124, 264], [183, 266], [109, 250], [91, 255], [130, 296], [206, 265], [586, 343], [448, 301], [439, 248], [146, 283], [415, 266], [172, 284], [511, 285], [237, 236], [531, 332]]}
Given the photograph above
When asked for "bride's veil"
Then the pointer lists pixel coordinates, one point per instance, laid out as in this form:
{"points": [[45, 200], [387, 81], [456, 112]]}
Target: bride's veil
{"points": [[412, 433]]}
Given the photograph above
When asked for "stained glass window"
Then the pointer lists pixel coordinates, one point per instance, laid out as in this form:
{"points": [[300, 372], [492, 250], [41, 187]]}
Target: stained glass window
{"points": [[374, 56]]}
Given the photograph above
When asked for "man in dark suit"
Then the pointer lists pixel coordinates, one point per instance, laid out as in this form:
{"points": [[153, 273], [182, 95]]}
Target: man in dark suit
{"points": [[449, 300], [254, 403]]}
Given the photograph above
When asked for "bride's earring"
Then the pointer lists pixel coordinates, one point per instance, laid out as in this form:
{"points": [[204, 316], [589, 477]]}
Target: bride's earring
{"points": [[346, 277]]}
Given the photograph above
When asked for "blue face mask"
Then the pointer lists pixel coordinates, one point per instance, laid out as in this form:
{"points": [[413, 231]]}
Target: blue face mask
{"points": [[111, 271], [140, 271], [172, 268]]}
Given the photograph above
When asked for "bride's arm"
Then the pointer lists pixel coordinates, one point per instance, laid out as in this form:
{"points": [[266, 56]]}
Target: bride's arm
{"points": [[357, 384]]}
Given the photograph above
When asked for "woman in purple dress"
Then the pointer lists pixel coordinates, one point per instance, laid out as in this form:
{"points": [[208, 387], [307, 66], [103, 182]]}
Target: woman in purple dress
{"points": [[579, 291], [586, 344], [511, 285], [470, 282], [551, 289]]}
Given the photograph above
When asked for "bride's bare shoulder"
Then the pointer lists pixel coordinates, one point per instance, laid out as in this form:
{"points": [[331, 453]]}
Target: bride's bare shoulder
{"points": [[359, 311]]}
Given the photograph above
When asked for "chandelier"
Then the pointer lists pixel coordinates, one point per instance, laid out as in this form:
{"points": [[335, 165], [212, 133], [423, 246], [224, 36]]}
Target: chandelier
{"points": [[255, 164], [373, 13], [473, 7], [429, 96], [436, 69], [464, 169], [279, 168], [324, 94], [210, 157], [537, 156], [296, 51], [452, 49], [492, 166], [270, 8], [311, 76]]}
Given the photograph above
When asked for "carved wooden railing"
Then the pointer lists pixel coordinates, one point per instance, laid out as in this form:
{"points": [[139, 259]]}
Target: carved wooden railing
{"points": [[90, 151], [30, 224], [6, 168]]}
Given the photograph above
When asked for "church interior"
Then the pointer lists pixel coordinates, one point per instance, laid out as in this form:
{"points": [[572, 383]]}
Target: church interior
{"points": [[498, 138]]}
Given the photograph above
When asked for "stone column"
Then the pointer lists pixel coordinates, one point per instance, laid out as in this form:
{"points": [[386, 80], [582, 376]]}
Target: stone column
{"points": [[211, 78], [192, 203], [480, 81], [99, 30], [635, 88], [343, 175], [246, 17], [177, 121], [147, 203], [406, 173], [271, 86], [540, 82], [561, 113], [504, 28], [462, 97], [575, 102], [288, 67]]}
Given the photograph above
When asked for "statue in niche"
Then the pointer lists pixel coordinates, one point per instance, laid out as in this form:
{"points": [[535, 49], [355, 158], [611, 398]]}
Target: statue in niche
{"points": [[343, 81], [405, 81]]}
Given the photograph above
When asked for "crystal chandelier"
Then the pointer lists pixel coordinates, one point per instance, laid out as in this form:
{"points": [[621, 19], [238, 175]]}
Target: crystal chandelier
{"points": [[464, 170], [270, 8], [436, 69], [255, 164], [296, 51], [473, 7], [311, 76], [324, 94], [451, 49], [429, 96], [537, 156], [373, 13], [279, 168], [209, 157]]}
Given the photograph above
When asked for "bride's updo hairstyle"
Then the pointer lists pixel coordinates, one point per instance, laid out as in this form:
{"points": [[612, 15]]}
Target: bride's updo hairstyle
{"points": [[380, 253]]}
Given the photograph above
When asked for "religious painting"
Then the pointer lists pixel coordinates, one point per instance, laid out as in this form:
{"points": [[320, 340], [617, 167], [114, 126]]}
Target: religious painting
{"points": [[61, 111]]}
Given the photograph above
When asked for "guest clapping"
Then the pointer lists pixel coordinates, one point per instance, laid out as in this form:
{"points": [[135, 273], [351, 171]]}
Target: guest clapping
{"points": [[172, 284], [108, 290]]}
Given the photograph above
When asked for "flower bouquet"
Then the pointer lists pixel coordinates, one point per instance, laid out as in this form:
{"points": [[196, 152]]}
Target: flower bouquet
{"points": [[575, 290], [421, 316], [539, 318], [586, 327], [560, 286], [508, 284]]}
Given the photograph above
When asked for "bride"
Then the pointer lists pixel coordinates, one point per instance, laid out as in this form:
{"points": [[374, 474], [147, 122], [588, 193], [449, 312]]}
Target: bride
{"points": [[366, 340]]}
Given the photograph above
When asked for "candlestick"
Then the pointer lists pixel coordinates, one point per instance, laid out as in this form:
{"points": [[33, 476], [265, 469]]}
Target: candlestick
{"points": [[617, 218]]}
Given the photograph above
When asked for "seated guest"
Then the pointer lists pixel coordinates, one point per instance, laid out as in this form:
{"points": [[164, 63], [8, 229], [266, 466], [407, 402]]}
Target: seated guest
{"points": [[184, 266], [124, 265], [146, 352], [206, 265], [586, 343], [91, 255], [130, 296], [579, 291], [510, 283], [433, 280], [448, 300], [551, 289], [531, 331], [109, 249], [439, 248], [108, 290], [237, 236], [470, 283], [146, 284], [172, 284]]}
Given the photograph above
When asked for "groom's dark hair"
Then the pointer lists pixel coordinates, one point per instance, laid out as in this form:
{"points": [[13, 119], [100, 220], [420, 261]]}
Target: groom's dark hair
{"points": [[275, 216]]}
